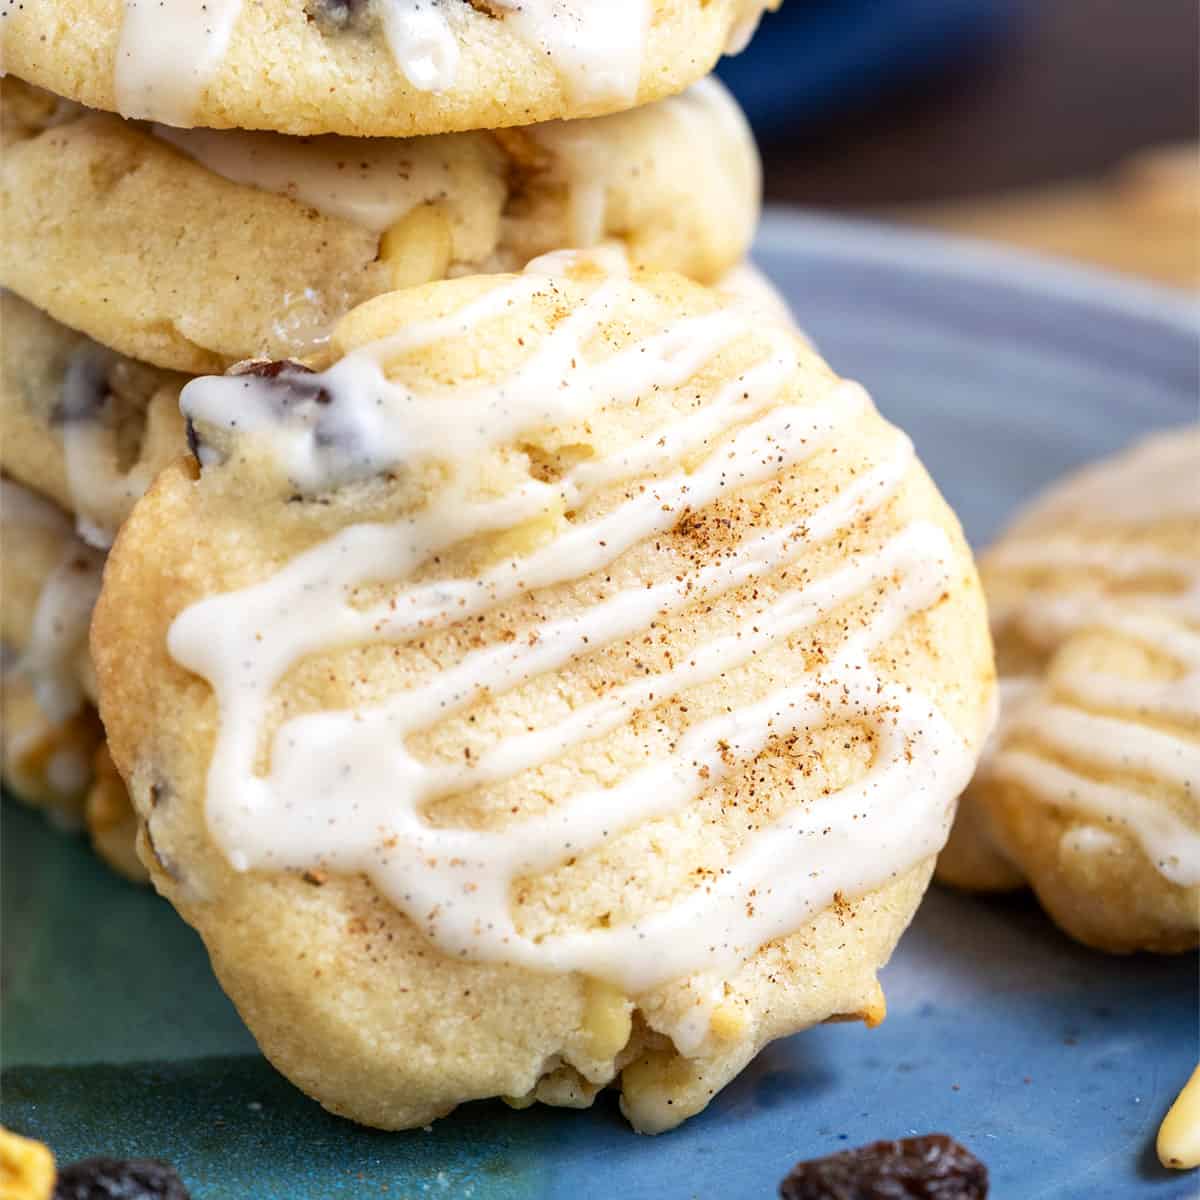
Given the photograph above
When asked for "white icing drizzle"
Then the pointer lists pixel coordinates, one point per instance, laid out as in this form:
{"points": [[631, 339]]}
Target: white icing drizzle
{"points": [[1106, 740], [376, 182], [1137, 593], [421, 42], [1048, 616], [597, 49], [583, 158], [60, 629], [342, 789], [372, 424], [372, 182], [58, 635], [610, 258], [168, 52], [101, 493]]}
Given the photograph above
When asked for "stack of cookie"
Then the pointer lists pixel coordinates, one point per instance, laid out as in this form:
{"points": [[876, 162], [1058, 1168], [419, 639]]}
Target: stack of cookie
{"points": [[275, 165], [532, 668]]}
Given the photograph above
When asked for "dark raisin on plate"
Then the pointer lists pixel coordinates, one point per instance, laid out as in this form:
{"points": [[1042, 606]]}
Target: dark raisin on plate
{"points": [[119, 1179], [933, 1167]]}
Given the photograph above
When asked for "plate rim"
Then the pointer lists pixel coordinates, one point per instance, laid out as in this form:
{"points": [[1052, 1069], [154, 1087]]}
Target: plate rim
{"points": [[787, 229]]}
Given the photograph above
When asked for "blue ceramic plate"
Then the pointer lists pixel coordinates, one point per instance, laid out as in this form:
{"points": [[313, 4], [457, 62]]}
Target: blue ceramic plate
{"points": [[1053, 1063]]}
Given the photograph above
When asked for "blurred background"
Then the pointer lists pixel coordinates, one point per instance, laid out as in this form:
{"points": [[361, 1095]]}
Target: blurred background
{"points": [[1070, 127]]}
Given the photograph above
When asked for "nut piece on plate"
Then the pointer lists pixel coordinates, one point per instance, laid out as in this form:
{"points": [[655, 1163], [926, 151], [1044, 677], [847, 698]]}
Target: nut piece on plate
{"points": [[1179, 1135], [26, 1168]]}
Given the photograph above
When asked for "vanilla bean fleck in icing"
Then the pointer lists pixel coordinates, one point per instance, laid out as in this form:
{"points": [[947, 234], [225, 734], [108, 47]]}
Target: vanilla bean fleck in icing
{"points": [[363, 180], [168, 52], [342, 790]]}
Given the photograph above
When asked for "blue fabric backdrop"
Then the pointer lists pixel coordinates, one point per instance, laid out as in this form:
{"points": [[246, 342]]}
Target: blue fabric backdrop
{"points": [[814, 56]]}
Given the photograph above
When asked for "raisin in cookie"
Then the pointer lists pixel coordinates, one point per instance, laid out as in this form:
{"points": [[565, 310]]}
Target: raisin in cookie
{"points": [[369, 68], [194, 249], [90, 428], [1091, 787], [571, 686], [82, 424]]}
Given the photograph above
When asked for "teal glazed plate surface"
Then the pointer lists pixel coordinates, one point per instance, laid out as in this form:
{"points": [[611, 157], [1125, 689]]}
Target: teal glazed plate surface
{"points": [[1054, 1064]]}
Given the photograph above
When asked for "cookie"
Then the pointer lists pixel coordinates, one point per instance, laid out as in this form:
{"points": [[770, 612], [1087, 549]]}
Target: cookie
{"points": [[82, 424], [52, 752], [112, 824], [570, 687], [194, 249], [51, 580], [369, 68], [90, 428], [1091, 789], [760, 296]]}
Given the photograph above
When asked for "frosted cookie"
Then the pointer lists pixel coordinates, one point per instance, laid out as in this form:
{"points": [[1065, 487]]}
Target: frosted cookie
{"points": [[52, 752], [52, 748], [51, 580], [370, 68], [569, 687], [194, 249], [1091, 789], [82, 424]]}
